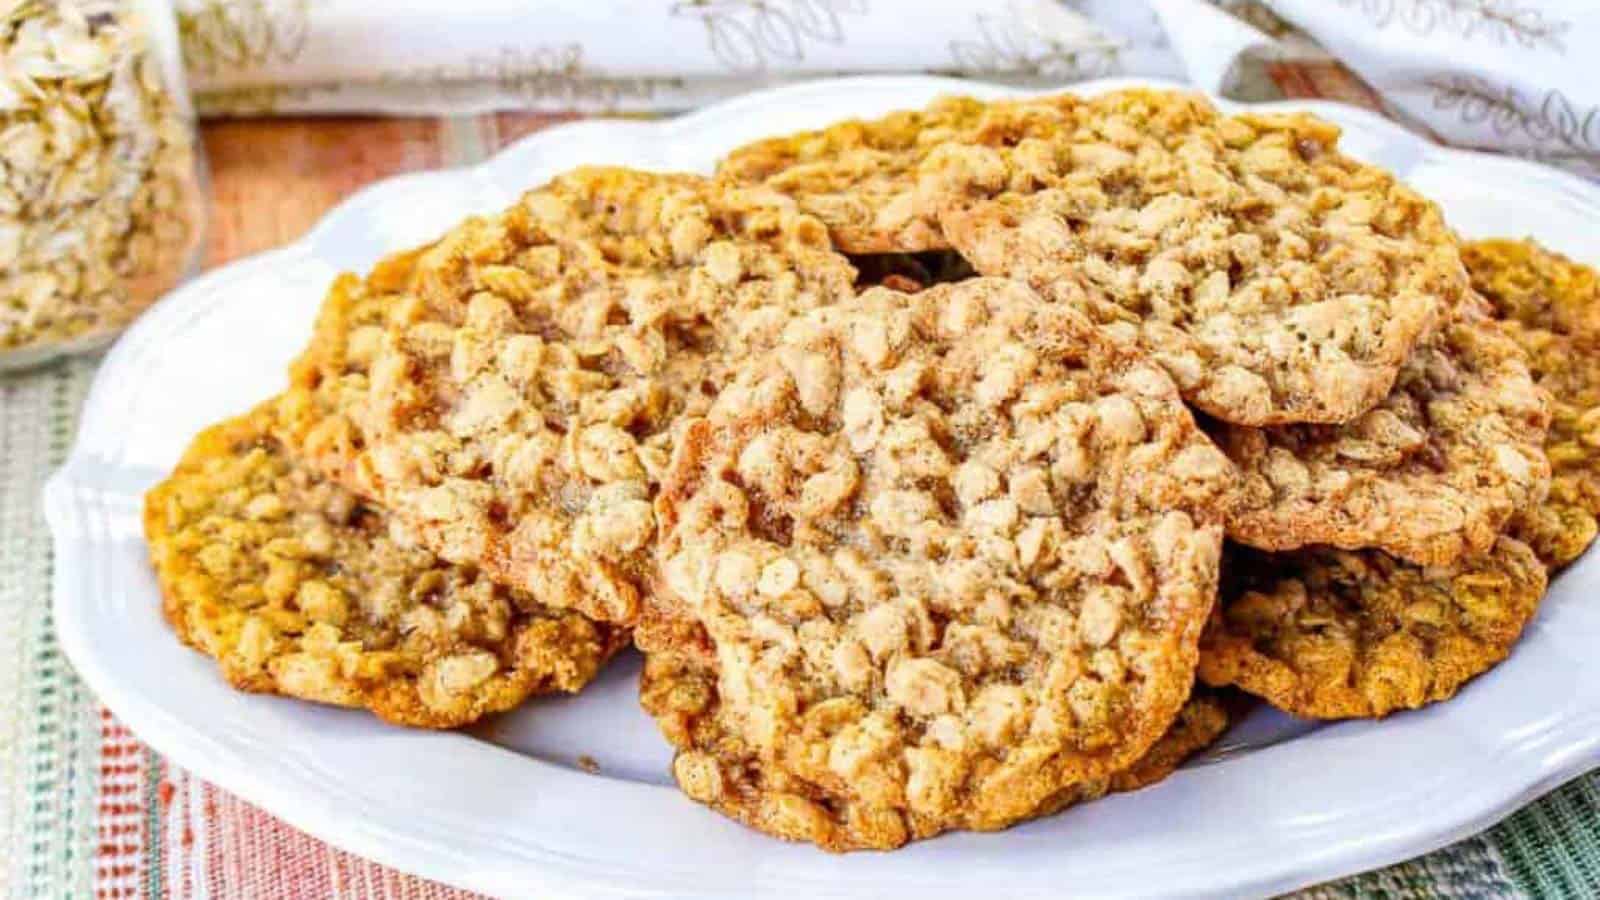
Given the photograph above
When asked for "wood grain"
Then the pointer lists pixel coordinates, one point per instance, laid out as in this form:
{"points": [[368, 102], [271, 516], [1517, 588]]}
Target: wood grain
{"points": [[507, 127], [1323, 80], [272, 179]]}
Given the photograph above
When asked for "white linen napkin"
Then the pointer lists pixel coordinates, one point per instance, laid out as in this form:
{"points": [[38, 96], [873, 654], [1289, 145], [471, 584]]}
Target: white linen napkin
{"points": [[438, 56], [1511, 75], [1498, 74]]}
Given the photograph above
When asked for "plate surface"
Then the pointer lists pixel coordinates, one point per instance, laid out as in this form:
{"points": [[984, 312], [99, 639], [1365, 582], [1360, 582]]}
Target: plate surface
{"points": [[505, 809]]}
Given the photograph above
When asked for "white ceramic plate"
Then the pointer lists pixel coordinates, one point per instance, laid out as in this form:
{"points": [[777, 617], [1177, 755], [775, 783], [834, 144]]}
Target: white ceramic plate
{"points": [[506, 810]]}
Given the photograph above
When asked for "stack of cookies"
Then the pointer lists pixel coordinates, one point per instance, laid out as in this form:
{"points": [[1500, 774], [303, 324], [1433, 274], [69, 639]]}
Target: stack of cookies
{"points": [[948, 469]]}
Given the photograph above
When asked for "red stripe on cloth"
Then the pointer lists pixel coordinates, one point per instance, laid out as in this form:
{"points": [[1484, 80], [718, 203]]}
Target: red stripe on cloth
{"points": [[177, 836], [249, 853], [120, 864], [161, 833]]}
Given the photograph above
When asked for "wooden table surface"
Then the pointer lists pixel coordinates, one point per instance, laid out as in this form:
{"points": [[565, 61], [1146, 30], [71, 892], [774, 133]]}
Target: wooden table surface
{"points": [[272, 179]]}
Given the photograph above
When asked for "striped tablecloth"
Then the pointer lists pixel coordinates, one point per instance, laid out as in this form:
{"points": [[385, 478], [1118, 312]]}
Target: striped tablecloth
{"points": [[86, 810]]}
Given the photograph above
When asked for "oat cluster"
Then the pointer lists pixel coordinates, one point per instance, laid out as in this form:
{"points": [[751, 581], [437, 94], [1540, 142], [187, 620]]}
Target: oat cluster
{"points": [[905, 451], [98, 195]]}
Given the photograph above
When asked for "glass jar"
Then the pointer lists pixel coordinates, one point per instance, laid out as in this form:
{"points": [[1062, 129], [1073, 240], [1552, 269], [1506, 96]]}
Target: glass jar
{"points": [[101, 200]]}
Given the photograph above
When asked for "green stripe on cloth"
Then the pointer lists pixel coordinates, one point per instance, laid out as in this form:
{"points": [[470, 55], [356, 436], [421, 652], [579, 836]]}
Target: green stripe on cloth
{"points": [[1471, 868], [49, 730], [154, 870], [1552, 848]]}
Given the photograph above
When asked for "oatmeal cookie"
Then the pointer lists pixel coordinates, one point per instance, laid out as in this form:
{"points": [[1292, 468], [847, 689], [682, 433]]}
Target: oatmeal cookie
{"points": [[1535, 287], [1332, 634], [515, 409], [296, 587], [950, 552], [1278, 280], [1432, 473], [717, 767], [862, 177], [1551, 307]]}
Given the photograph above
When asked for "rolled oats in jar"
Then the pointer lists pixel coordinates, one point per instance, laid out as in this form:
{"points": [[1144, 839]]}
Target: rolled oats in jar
{"points": [[99, 183]]}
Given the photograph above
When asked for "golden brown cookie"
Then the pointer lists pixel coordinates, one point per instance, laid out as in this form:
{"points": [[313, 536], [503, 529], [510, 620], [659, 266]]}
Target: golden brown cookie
{"points": [[1433, 472], [296, 587], [718, 768], [861, 177], [1536, 287], [1332, 634], [513, 411], [1551, 308], [1278, 280], [949, 554]]}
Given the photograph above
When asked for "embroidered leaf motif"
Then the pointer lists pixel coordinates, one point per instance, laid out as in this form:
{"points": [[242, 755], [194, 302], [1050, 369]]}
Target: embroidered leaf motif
{"points": [[1026, 41], [223, 34], [1556, 129], [747, 35], [1503, 22]]}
